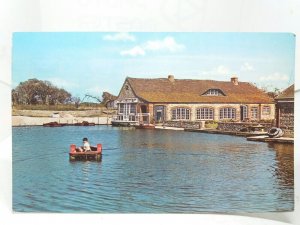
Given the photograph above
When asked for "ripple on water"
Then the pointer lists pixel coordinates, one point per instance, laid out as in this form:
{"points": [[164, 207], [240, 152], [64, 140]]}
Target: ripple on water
{"points": [[149, 171]]}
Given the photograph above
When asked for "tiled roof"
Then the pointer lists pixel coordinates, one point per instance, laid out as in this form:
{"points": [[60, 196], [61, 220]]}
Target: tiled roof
{"points": [[287, 93], [162, 90]]}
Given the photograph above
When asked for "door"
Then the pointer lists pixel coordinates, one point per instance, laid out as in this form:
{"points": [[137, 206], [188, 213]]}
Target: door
{"points": [[244, 112], [159, 113], [159, 116]]}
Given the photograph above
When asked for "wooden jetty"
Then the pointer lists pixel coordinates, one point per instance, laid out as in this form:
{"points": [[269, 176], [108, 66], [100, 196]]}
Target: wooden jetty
{"points": [[236, 133], [266, 138]]}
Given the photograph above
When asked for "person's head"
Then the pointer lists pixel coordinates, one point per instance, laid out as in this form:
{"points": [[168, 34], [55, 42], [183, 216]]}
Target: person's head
{"points": [[85, 139]]}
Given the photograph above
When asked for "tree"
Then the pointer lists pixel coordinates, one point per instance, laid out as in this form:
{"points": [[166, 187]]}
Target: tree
{"points": [[76, 101], [34, 91]]}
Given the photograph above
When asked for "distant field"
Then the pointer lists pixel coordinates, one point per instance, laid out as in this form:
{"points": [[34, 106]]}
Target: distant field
{"points": [[68, 107]]}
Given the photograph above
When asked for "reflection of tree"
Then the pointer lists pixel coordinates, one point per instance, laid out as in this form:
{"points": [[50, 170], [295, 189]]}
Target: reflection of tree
{"points": [[285, 163]]}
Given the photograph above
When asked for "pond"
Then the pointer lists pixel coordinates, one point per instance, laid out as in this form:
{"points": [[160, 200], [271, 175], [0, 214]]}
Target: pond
{"points": [[149, 171]]}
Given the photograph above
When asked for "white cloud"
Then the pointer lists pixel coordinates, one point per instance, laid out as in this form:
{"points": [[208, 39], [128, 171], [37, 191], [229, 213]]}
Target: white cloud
{"points": [[96, 90], [220, 70], [61, 82], [119, 37], [247, 67], [135, 51], [167, 44], [275, 77]]}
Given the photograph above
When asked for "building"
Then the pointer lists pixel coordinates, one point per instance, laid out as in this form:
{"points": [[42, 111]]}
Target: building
{"points": [[169, 99], [109, 100], [285, 111]]}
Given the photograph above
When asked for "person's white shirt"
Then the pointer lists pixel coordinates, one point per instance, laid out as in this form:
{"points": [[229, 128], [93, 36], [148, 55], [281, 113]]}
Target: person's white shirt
{"points": [[86, 146]]}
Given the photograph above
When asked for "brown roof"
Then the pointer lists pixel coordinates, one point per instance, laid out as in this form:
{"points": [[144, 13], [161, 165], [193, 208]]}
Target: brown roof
{"points": [[287, 93], [162, 90]]}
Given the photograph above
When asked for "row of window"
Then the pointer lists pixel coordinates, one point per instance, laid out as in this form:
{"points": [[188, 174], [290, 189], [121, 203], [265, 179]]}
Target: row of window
{"points": [[202, 113], [224, 113]]}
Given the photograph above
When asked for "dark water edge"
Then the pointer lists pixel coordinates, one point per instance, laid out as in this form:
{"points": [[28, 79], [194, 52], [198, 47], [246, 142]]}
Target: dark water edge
{"points": [[149, 171]]}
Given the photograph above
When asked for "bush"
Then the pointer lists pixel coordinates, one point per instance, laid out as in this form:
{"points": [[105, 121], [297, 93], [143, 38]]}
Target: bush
{"points": [[211, 124]]}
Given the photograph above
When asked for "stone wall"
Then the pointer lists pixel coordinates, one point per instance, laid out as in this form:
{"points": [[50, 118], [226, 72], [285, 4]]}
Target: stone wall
{"points": [[286, 118], [233, 126], [183, 124]]}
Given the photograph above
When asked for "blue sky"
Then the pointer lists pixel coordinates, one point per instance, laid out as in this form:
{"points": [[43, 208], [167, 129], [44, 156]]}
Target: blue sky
{"points": [[90, 63]]}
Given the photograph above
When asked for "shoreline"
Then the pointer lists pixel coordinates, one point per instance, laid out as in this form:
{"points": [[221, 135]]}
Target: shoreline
{"points": [[18, 121]]}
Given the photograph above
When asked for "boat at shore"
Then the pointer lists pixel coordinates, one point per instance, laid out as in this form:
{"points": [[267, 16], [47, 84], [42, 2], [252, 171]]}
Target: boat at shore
{"points": [[84, 123], [53, 124], [94, 154]]}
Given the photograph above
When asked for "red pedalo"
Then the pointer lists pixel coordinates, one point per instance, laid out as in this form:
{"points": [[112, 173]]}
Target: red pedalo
{"points": [[94, 154]]}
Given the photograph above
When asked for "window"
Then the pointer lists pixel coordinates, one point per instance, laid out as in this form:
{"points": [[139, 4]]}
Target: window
{"points": [[132, 108], [254, 113], [213, 92], [227, 113], [125, 108], [244, 110], [180, 114], [121, 108], [205, 114], [266, 110]]}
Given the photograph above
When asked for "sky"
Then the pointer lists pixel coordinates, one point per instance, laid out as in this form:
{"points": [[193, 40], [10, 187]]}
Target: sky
{"points": [[90, 63]]}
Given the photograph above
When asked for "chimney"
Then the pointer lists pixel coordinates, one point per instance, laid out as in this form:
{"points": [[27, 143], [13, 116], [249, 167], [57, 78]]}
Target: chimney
{"points": [[171, 78], [234, 80]]}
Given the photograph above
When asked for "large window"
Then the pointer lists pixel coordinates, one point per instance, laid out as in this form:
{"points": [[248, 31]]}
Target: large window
{"points": [[254, 113], [227, 113], [132, 108], [205, 114], [121, 108], [127, 108], [181, 114], [266, 110]]}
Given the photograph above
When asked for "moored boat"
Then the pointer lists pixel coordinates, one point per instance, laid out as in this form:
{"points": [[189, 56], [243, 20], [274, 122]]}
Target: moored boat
{"points": [[53, 124], [84, 123], [94, 154], [275, 132]]}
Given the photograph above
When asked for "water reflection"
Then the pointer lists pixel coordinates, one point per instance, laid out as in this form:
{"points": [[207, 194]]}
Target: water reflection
{"points": [[284, 163]]}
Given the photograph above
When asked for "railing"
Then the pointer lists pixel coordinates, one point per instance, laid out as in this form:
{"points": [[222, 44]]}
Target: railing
{"points": [[140, 118]]}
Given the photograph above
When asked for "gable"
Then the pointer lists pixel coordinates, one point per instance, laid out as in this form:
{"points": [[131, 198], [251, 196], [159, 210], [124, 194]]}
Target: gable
{"points": [[126, 92]]}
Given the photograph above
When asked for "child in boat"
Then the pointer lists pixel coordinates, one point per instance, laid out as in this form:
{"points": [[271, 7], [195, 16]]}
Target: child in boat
{"points": [[86, 146]]}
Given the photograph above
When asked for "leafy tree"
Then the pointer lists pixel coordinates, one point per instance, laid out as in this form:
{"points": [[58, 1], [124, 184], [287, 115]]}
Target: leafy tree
{"points": [[34, 91]]}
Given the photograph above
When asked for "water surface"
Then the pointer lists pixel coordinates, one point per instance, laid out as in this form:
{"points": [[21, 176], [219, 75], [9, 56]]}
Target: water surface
{"points": [[149, 171]]}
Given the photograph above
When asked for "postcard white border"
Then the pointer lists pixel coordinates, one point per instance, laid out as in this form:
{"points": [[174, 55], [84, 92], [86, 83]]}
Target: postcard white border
{"points": [[137, 15]]}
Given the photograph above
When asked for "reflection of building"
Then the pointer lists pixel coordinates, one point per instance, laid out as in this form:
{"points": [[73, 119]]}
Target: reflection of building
{"points": [[285, 163], [285, 111], [169, 99]]}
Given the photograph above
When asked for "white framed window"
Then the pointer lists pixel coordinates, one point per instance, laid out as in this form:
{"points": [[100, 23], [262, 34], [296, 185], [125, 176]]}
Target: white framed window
{"points": [[181, 114], [245, 111], [205, 114], [121, 108], [227, 113], [132, 108], [266, 110], [254, 113]]}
